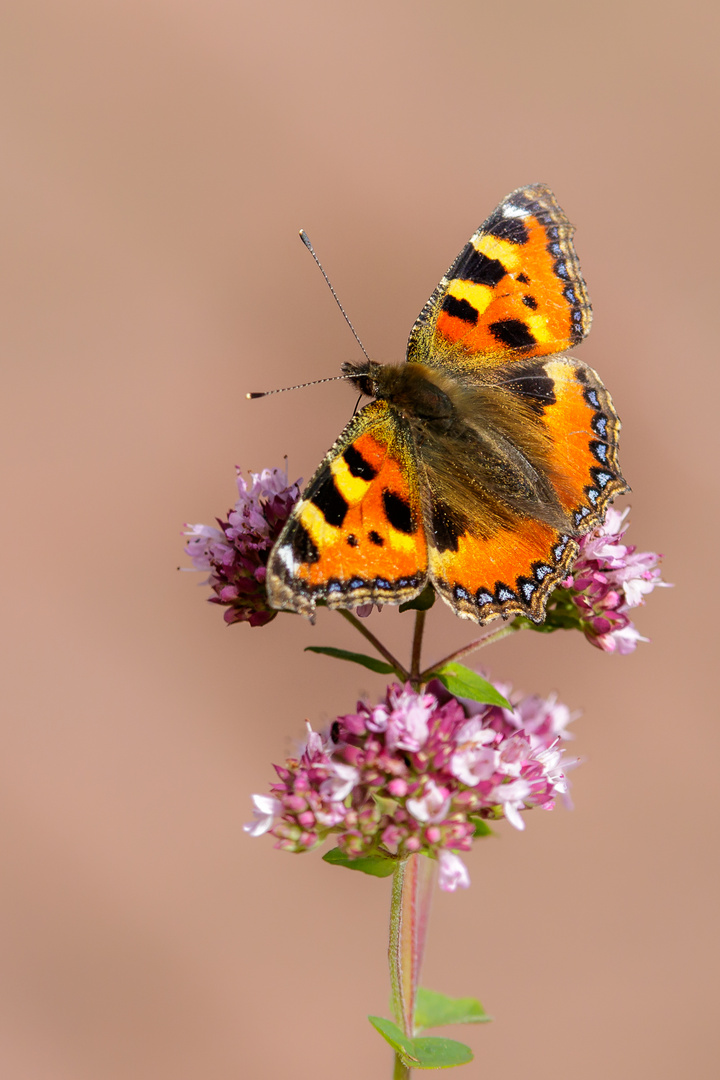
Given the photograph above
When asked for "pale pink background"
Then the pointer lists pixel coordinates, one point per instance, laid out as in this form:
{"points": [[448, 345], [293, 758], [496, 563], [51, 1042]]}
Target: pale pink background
{"points": [[157, 161]]}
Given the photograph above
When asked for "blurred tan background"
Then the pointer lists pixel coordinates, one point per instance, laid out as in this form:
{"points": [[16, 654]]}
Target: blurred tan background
{"points": [[158, 159]]}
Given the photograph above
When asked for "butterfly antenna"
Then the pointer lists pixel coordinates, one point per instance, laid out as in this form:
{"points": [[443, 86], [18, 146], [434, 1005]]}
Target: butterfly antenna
{"points": [[306, 241], [299, 386]]}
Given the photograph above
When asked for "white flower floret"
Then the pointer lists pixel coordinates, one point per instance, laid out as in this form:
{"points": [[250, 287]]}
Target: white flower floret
{"points": [[337, 788], [265, 810], [512, 798], [432, 806]]}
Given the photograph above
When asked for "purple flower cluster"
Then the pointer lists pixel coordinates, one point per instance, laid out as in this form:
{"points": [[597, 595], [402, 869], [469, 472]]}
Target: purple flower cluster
{"points": [[416, 773], [608, 579], [236, 553]]}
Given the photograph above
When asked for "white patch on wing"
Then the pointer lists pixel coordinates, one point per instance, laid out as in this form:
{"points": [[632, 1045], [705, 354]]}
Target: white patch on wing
{"points": [[514, 211], [285, 555]]}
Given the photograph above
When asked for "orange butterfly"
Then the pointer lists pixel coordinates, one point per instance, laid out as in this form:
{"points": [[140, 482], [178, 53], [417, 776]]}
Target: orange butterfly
{"points": [[483, 457]]}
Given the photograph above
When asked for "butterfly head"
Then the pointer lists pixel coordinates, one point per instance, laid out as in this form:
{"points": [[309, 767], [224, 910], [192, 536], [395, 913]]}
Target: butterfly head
{"points": [[366, 376], [413, 390]]}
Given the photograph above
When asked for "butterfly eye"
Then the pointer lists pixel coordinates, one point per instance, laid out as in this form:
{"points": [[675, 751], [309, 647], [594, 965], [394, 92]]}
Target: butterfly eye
{"points": [[366, 385], [359, 376]]}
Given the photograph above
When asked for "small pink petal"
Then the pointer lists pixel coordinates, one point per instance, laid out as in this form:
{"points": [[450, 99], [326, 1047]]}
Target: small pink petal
{"points": [[453, 872]]}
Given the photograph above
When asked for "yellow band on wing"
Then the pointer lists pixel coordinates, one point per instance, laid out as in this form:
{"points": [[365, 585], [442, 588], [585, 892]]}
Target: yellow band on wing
{"points": [[539, 326], [479, 296], [508, 254], [314, 521], [403, 542], [352, 488]]}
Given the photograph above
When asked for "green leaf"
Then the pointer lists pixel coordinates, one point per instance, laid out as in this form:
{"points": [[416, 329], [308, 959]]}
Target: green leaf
{"points": [[462, 682], [481, 828], [561, 614], [424, 1053], [401, 1043], [555, 620], [433, 1053], [423, 602], [376, 865], [354, 657], [437, 1010]]}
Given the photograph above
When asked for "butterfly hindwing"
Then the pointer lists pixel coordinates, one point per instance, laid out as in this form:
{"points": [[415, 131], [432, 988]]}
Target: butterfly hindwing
{"points": [[510, 572], [583, 430], [356, 534], [497, 554], [514, 291]]}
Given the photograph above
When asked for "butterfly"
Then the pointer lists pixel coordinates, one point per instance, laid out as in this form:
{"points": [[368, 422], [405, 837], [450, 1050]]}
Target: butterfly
{"points": [[482, 458]]}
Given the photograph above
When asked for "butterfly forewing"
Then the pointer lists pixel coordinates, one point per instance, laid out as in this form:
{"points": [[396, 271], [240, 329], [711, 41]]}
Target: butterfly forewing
{"points": [[514, 291]]}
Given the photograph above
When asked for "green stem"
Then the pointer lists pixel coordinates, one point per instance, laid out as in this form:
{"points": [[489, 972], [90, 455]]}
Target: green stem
{"points": [[401, 1071], [409, 912], [369, 636], [488, 639], [417, 648]]}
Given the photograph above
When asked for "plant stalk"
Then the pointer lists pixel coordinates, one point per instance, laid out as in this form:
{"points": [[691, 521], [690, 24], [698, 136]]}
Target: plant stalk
{"points": [[401, 1071], [400, 671], [409, 913], [479, 643], [420, 617]]}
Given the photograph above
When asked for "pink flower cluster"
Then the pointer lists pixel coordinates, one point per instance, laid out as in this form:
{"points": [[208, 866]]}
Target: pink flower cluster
{"points": [[416, 773], [236, 553], [608, 579]]}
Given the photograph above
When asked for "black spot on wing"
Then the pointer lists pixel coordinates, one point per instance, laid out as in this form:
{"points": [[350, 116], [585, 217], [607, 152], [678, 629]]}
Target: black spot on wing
{"points": [[533, 385], [447, 527], [399, 512], [357, 464], [460, 309], [473, 266], [302, 544], [513, 333], [524, 278], [506, 228], [375, 538], [530, 301], [329, 501]]}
